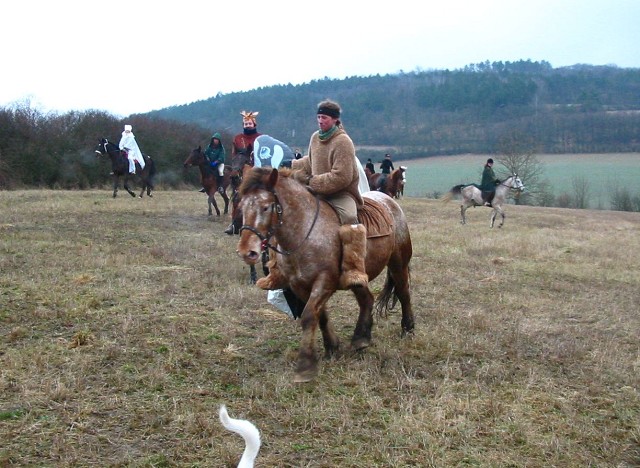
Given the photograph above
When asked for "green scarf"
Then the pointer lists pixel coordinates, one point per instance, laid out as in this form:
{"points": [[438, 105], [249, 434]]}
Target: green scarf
{"points": [[328, 134]]}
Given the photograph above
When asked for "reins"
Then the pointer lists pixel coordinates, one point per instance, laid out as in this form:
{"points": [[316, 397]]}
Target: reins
{"points": [[510, 186], [277, 207]]}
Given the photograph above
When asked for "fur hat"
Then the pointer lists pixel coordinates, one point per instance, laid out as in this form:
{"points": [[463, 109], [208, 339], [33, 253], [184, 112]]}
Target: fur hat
{"points": [[249, 116]]}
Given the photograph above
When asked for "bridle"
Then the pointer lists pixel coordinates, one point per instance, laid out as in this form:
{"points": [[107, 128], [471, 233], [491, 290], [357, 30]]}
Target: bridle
{"points": [[104, 146], [276, 208], [510, 186]]}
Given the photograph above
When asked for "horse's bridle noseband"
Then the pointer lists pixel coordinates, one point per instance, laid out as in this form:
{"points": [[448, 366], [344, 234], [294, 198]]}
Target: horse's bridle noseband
{"points": [[277, 208], [514, 176]]}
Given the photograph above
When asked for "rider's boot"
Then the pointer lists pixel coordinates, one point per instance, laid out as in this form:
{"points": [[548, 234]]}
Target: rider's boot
{"points": [[219, 183], [354, 251], [275, 279]]}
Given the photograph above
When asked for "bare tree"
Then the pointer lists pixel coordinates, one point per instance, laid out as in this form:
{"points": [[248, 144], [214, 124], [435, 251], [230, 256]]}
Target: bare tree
{"points": [[517, 156], [580, 192]]}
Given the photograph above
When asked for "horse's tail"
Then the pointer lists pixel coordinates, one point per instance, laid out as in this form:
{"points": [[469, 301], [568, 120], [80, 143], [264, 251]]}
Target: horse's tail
{"points": [[387, 299], [455, 190], [152, 166]]}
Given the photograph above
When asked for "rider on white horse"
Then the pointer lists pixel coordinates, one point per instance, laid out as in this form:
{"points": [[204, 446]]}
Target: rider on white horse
{"points": [[489, 182]]}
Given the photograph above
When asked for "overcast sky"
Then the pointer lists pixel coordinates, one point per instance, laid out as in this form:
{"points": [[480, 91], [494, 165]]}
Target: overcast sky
{"points": [[135, 56]]}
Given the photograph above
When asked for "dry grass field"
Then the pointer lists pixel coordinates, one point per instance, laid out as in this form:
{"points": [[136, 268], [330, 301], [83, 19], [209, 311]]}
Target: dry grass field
{"points": [[125, 323]]}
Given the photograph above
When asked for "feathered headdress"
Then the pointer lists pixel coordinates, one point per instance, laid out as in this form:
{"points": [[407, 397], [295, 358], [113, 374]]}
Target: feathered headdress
{"points": [[249, 116]]}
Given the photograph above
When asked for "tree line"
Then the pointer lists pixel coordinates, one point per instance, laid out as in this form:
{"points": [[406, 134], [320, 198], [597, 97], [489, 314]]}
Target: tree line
{"points": [[52, 150], [536, 108], [578, 109]]}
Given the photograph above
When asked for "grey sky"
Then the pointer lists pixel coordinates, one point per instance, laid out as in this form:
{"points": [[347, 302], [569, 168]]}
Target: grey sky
{"points": [[135, 56]]}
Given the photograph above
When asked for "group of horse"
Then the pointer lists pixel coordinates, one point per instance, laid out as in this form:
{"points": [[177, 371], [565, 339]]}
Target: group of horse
{"points": [[281, 217], [392, 184]]}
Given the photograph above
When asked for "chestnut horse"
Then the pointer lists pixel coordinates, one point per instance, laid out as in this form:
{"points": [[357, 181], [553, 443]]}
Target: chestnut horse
{"points": [[389, 184], [473, 196], [209, 180], [120, 168], [281, 214]]}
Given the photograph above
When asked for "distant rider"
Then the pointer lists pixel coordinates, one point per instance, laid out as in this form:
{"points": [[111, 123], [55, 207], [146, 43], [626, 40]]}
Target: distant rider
{"points": [[215, 155], [489, 181], [128, 143]]}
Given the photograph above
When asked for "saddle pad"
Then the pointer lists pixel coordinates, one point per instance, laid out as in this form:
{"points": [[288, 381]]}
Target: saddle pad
{"points": [[376, 218]]}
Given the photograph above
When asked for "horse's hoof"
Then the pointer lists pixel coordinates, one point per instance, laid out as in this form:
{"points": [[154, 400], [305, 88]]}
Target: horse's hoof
{"points": [[360, 343], [304, 376], [407, 332], [333, 353]]}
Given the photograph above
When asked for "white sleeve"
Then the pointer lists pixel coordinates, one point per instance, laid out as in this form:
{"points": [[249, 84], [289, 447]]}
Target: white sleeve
{"points": [[363, 183]]}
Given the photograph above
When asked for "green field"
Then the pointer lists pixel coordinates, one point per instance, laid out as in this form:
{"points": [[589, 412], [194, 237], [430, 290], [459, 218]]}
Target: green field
{"points": [[605, 172]]}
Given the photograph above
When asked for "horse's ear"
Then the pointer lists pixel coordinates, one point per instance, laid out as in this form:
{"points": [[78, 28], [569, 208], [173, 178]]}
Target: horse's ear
{"points": [[273, 177]]}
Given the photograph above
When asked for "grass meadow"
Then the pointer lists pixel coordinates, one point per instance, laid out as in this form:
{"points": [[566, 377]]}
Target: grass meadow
{"points": [[125, 323], [604, 172]]}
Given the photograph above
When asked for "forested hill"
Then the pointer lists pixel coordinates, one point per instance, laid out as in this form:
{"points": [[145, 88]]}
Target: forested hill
{"points": [[575, 109]]}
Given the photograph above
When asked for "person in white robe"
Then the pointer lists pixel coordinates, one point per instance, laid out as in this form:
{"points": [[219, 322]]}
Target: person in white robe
{"points": [[129, 144]]}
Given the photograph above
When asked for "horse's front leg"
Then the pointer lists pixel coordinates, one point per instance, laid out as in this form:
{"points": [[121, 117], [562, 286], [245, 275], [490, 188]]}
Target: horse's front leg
{"points": [[212, 201], [126, 186], [362, 334], [463, 209], [307, 365], [493, 216], [502, 216], [115, 186], [209, 204], [330, 338], [225, 197]]}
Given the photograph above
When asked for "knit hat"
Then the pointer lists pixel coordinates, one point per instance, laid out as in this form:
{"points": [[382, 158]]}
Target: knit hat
{"points": [[128, 128], [330, 108]]}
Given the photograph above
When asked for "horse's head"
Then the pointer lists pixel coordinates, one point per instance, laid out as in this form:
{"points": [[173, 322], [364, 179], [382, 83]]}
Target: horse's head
{"points": [[260, 212], [196, 157], [101, 148], [239, 160], [516, 183]]}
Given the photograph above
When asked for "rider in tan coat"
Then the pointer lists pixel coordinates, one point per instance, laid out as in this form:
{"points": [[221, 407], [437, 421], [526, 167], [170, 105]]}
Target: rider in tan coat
{"points": [[331, 170]]}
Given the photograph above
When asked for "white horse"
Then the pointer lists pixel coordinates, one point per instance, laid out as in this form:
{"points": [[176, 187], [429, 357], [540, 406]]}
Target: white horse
{"points": [[249, 433], [473, 196]]}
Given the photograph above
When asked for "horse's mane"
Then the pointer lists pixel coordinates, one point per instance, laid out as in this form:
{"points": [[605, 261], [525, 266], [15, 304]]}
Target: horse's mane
{"points": [[258, 178]]}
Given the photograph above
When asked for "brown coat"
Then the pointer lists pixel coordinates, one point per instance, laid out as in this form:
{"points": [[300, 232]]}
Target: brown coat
{"points": [[332, 163]]}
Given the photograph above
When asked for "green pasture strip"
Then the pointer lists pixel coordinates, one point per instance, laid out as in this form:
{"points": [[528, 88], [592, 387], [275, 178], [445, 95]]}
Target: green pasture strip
{"points": [[605, 173]]}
